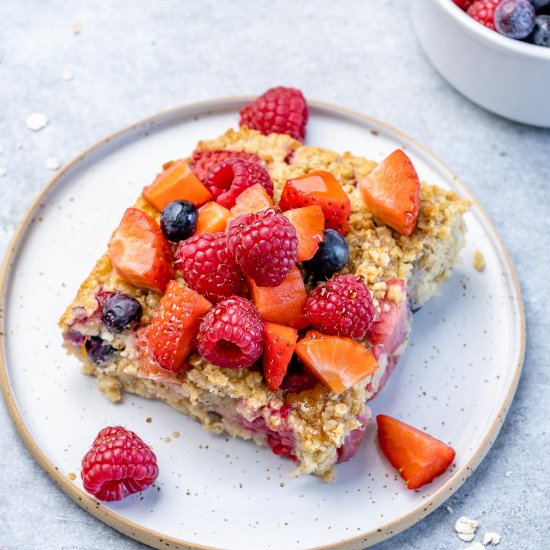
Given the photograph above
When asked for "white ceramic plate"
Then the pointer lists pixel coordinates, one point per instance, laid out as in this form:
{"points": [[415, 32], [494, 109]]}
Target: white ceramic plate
{"points": [[456, 380]]}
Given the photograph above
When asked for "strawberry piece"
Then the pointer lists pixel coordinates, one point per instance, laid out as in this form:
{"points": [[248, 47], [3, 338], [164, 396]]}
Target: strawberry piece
{"points": [[250, 201], [174, 326], [390, 326], [419, 457], [392, 192], [176, 182], [337, 361], [279, 345], [212, 218], [281, 304], [140, 253], [309, 223], [322, 189]]}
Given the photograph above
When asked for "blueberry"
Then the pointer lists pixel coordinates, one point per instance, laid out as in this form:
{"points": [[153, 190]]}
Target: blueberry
{"points": [[541, 32], [178, 220], [539, 3], [99, 351], [120, 311], [515, 18], [332, 256]]}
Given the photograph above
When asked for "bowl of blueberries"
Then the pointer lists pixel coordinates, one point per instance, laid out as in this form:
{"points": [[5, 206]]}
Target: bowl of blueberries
{"points": [[495, 52]]}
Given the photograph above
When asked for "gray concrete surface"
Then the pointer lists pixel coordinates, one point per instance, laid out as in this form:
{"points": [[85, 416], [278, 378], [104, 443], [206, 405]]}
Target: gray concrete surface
{"points": [[134, 58]]}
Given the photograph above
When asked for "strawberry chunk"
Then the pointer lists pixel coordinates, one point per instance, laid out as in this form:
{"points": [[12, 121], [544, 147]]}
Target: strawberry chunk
{"points": [[281, 304], [175, 323], [337, 361], [140, 253], [419, 457], [279, 345], [390, 327], [309, 223], [392, 192], [251, 200], [212, 218], [176, 182], [322, 189]]}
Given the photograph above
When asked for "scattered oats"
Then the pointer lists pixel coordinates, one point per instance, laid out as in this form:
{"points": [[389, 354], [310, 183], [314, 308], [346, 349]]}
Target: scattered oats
{"points": [[176, 434], [465, 528], [450, 510], [36, 121], [167, 440], [71, 476], [77, 28], [67, 74], [479, 260], [475, 546], [53, 163], [491, 538]]}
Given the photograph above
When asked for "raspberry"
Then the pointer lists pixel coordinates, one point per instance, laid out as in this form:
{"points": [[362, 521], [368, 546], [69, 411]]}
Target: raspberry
{"points": [[265, 245], [118, 464], [208, 267], [281, 110], [229, 178], [341, 307], [463, 4], [231, 334], [483, 11], [202, 161]]}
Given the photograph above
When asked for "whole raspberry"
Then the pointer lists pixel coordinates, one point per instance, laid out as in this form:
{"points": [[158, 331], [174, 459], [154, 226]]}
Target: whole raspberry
{"points": [[229, 178], [118, 464], [231, 334], [281, 110], [264, 244], [202, 161], [341, 307], [207, 266], [483, 11], [463, 4]]}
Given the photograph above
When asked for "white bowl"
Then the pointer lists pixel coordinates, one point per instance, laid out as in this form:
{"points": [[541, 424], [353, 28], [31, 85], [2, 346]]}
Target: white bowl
{"points": [[506, 76]]}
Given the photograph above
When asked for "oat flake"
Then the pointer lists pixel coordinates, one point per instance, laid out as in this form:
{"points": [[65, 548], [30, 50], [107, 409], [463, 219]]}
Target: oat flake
{"points": [[491, 538], [36, 121], [465, 528], [475, 546], [53, 163]]}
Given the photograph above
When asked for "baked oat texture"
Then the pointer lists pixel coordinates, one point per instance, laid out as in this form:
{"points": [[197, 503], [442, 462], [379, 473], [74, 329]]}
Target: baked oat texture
{"points": [[319, 419]]}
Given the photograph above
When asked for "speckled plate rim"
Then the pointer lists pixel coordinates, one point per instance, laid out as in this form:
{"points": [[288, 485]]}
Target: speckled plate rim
{"points": [[158, 540]]}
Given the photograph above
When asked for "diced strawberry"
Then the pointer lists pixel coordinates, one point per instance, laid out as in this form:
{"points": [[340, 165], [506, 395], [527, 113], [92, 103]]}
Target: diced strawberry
{"points": [[392, 192], [140, 253], [281, 304], [174, 325], [176, 182], [321, 189], [251, 200], [279, 344], [390, 326], [337, 361], [309, 223], [419, 457], [212, 218]]}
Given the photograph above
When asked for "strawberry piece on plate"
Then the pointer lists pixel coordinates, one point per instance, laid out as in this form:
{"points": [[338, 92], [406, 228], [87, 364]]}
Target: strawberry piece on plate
{"points": [[281, 304], [309, 223], [175, 183], [337, 361], [419, 457], [140, 253], [251, 200], [392, 192], [322, 189], [279, 345], [175, 323], [212, 218]]}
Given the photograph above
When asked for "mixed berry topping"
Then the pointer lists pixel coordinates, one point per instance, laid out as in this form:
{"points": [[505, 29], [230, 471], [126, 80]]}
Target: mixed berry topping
{"points": [[341, 307], [120, 311], [178, 220], [207, 266], [231, 334], [265, 246], [228, 179], [281, 110], [118, 464], [332, 256]]}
